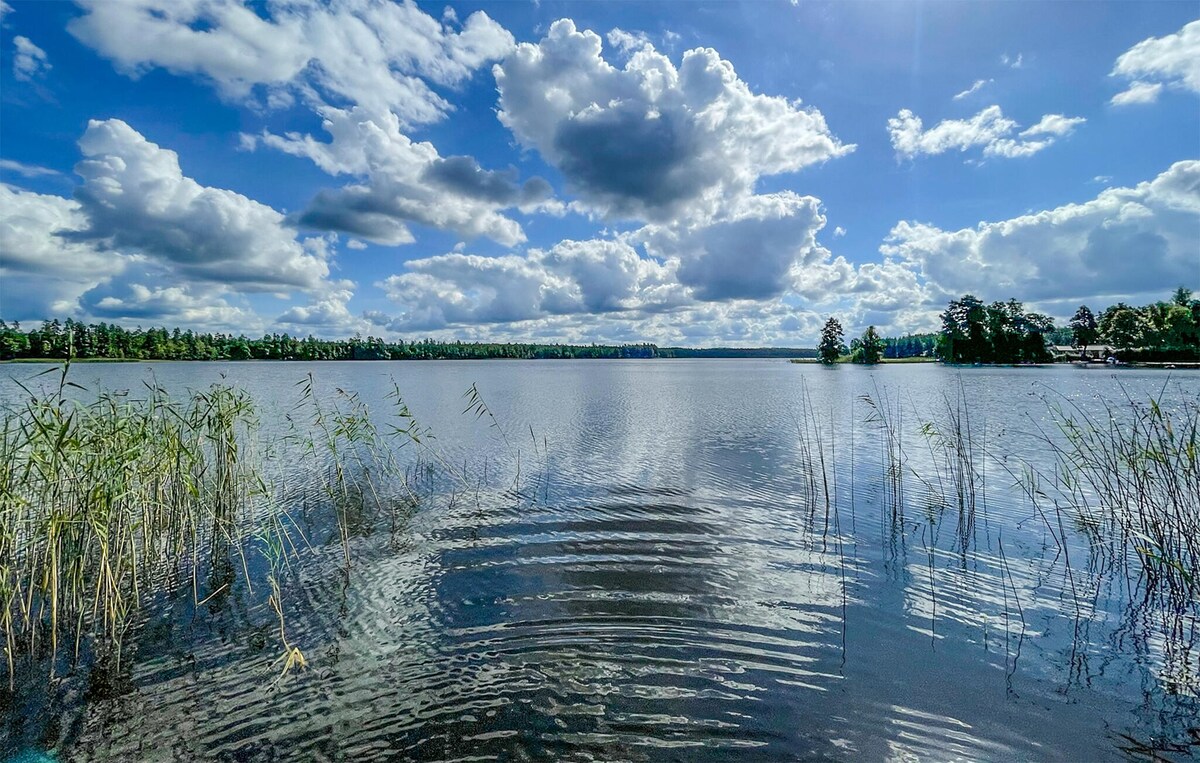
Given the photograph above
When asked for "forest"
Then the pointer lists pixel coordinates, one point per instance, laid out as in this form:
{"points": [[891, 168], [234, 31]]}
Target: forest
{"points": [[58, 340]]}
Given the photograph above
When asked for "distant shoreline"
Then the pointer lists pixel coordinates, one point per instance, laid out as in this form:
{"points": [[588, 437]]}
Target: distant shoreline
{"points": [[747, 355]]}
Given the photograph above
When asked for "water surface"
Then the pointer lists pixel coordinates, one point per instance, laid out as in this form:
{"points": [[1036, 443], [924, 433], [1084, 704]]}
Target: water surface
{"points": [[643, 571]]}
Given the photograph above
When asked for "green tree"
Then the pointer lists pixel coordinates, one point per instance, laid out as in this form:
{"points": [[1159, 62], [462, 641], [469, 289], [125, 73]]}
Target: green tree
{"points": [[1084, 329], [1033, 342], [13, 342], [963, 338], [868, 348], [1123, 326], [833, 342]]}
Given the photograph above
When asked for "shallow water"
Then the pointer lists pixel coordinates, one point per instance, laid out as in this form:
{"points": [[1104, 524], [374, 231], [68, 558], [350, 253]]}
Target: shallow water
{"points": [[643, 571]]}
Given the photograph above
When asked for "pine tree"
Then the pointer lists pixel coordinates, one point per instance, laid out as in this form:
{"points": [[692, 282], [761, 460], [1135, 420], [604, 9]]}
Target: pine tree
{"points": [[833, 342]]}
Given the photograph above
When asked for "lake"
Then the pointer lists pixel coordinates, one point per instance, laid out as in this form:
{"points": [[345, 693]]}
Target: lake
{"points": [[664, 560]]}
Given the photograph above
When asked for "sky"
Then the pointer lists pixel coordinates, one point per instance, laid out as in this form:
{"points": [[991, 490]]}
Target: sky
{"points": [[680, 173]]}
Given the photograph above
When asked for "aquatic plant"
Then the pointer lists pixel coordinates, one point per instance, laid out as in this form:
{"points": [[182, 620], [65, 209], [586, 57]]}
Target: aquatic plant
{"points": [[109, 499], [957, 461], [1129, 473], [888, 415], [102, 503]]}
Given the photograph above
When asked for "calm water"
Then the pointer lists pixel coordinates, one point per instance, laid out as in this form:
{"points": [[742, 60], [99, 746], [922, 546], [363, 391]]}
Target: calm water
{"points": [[641, 573]]}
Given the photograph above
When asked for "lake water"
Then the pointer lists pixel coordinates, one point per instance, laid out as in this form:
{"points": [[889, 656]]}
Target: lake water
{"points": [[643, 570]]}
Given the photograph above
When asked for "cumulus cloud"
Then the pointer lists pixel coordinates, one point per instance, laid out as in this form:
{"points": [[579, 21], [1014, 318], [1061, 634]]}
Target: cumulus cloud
{"points": [[652, 141], [137, 200], [754, 252], [368, 68], [379, 54], [142, 242], [627, 42], [29, 61], [195, 305], [988, 130], [41, 273], [329, 313], [975, 88], [758, 253], [703, 324], [590, 277], [1125, 241], [406, 182], [1172, 60]]}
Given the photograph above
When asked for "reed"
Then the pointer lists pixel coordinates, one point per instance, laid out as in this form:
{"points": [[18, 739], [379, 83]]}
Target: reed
{"points": [[102, 503], [109, 499], [957, 460], [888, 415], [1128, 474]]}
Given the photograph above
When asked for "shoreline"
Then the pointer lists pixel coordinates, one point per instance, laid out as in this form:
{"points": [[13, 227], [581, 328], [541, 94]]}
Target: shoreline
{"points": [[1160, 365]]}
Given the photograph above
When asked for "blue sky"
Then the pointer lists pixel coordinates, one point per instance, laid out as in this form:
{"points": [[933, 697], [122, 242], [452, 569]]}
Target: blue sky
{"points": [[679, 173]]}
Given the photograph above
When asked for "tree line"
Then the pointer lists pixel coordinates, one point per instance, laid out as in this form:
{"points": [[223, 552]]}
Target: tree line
{"points": [[61, 339], [1159, 331], [58, 340], [1005, 332], [971, 332]]}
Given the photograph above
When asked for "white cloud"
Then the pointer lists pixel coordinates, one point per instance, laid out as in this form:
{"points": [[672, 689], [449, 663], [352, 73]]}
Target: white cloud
{"points": [[910, 140], [198, 306], [328, 314], [1138, 92], [753, 252], [974, 88], [141, 242], [355, 244], [1055, 125], [137, 200], [989, 130], [42, 274], [652, 141], [1125, 241], [368, 68], [29, 61], [26, 170], [839, 231], [627, 42], [378, 54], [709, 278], [1013, 62], [406, 182], [1172, 60], [572, 278]]}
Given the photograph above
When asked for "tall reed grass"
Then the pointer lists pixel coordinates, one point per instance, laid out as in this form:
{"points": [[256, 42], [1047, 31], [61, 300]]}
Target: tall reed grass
{"points": [[104, 502], [108, 499], [1127, 474]]}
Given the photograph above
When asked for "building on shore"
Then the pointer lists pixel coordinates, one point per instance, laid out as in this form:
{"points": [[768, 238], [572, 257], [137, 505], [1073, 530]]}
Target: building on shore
{"points": [[1094, 353]]}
